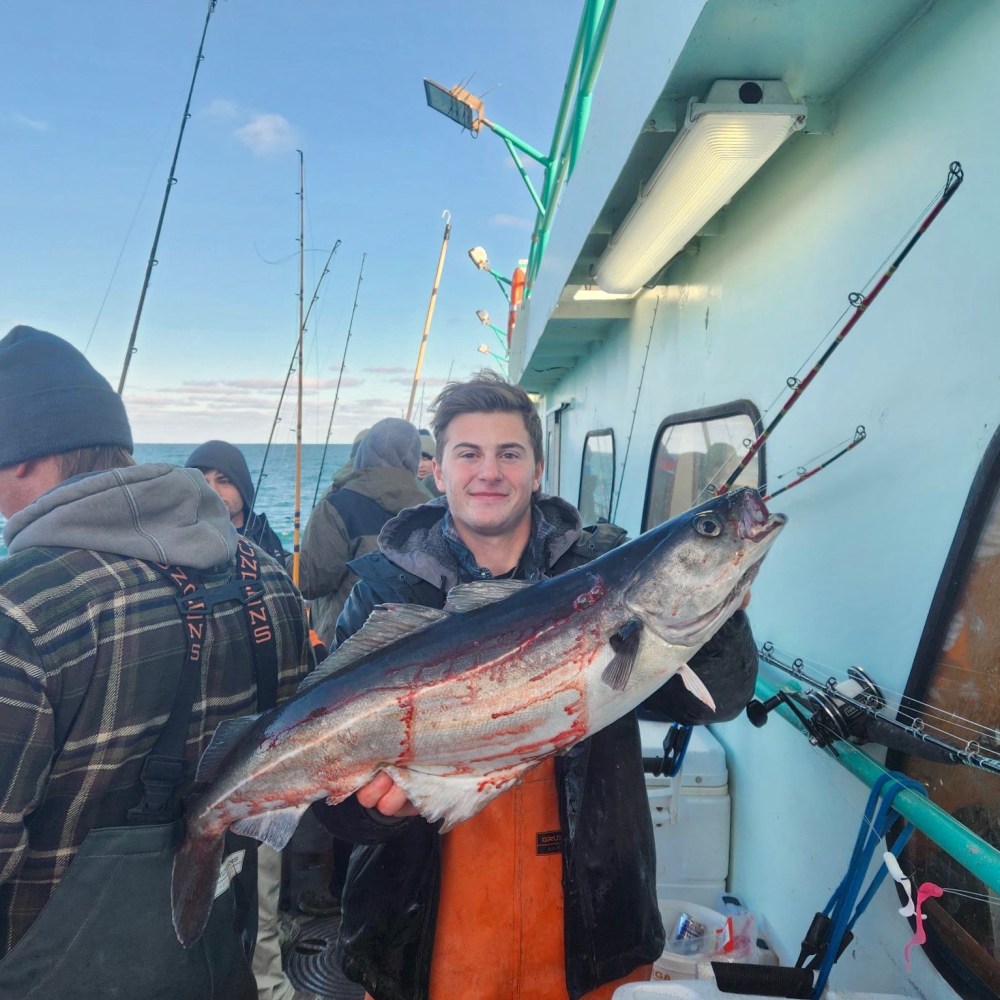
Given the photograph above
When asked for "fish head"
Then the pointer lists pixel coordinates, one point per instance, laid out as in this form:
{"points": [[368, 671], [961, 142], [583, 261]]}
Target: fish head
{"points": [[694, 579]]}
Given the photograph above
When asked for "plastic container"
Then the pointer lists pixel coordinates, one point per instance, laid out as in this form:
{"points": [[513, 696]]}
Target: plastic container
{"points": [[691, 834], [679, 960]]}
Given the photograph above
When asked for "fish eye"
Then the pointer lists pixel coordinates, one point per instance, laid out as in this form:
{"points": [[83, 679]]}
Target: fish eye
{"points": [[708, 525]]}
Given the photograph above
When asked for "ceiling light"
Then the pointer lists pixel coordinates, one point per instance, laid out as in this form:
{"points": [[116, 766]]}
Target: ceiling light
{"points": [[723, 143]]}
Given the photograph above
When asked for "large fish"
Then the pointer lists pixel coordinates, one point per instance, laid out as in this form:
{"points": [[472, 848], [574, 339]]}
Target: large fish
{"points": [[456, 705]]}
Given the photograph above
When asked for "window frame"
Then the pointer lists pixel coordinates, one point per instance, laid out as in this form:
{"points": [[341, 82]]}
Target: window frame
{"points": [[734, 408], [950, 589], [601, 432]]}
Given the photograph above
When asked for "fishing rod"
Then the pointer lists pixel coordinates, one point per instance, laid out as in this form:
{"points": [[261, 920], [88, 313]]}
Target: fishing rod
{"points": [[860, 303], [859, 436], [851, 710], [291, 368], [297, 515], [340, 375], [446, 215], [171, 181]]}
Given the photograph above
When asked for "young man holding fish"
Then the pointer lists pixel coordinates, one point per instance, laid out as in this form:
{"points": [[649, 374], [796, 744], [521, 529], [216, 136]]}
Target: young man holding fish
{"points": [[548, 891]]}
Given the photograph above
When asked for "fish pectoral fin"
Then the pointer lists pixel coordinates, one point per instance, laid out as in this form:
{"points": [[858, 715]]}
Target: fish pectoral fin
{"points": [[445, 795], [694, 684], [272, 828], [625, 643], [479, 593], [227, 735]]}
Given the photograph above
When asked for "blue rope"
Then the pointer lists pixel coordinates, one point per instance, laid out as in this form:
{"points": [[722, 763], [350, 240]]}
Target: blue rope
{"points": [[874, 827]]}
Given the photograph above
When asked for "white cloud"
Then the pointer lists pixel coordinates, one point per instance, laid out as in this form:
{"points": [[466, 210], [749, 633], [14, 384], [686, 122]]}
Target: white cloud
{"points": [[267, 134], [33, 124], [512, 222], [222, 109]]}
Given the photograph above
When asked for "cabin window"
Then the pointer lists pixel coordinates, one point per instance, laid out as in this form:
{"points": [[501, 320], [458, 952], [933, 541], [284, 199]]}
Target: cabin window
{"points": [[597, 476], [954, 689], [694, 452]]}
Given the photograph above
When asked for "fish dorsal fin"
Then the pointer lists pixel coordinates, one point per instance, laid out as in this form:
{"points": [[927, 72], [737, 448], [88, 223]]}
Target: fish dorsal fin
{"points": [[227, 734], [625, 643], [386, 624], [272, 828], [469, 596]]}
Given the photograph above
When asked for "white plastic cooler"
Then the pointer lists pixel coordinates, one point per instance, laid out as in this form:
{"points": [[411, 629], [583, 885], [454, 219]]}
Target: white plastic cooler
{"points": [[691, 832]]}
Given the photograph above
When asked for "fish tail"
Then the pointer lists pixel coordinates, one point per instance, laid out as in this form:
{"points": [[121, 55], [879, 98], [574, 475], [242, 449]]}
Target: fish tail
{"points": [[192, 884]]}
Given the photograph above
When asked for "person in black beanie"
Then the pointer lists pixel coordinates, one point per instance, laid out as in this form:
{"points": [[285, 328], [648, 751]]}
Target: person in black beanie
{"points": [[98, 736], [226, 471]]}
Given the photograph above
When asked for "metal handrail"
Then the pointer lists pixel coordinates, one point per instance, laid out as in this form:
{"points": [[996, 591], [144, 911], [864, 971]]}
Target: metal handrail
{"points": [[973, 853]]}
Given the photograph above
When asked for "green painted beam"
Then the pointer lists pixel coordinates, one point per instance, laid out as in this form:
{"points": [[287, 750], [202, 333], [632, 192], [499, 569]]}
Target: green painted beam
{"points": [[972, 852]]}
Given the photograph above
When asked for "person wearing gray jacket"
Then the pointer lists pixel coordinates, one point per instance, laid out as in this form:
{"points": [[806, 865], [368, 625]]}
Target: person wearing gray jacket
{"points": [[346, 522]]}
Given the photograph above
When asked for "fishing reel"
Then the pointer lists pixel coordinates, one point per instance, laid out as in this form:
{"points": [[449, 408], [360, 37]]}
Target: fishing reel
{"points": [[840, 711]]}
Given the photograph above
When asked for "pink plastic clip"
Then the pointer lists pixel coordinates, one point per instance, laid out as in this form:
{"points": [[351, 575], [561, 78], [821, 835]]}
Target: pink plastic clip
{"points": [[923, 891]]}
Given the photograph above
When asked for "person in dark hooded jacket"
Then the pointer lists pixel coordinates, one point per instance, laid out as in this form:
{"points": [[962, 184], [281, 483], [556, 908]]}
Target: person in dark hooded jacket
{"points": [[226, 471], [550, 890]]}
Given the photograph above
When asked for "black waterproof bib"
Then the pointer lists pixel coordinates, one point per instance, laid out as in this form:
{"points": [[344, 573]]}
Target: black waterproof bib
{"points": [[106, 930]]}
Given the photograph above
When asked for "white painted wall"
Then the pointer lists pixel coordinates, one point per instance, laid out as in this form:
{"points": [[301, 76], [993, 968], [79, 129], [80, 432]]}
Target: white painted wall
{"points": [[852, 577]]}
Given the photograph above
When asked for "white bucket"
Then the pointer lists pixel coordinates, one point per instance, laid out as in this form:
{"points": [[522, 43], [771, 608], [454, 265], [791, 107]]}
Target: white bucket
{"points": [[674, 964]]}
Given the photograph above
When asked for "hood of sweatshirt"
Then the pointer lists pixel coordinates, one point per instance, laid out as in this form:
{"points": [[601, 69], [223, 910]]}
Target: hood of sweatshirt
{"points": [[157, 513]]}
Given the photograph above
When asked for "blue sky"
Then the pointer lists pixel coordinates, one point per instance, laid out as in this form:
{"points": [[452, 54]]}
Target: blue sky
{"points": [[91, 96]]}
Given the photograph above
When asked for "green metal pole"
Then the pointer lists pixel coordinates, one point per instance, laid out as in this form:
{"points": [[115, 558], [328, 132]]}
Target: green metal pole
{"points": [[569, 88], [971, 852], [591, 66], [595, 44], [513, 140], [524, 174]]}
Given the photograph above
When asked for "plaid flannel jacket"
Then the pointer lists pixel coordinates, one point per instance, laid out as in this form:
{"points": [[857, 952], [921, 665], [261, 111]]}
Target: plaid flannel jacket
{"points": [[91, 648]]}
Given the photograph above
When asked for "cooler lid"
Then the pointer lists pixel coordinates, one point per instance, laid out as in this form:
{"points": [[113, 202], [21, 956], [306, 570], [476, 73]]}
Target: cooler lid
{"points": [[705, 762]]}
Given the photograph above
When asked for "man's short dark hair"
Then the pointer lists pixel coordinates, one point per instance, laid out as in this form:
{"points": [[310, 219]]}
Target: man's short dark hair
{"points": [[485, 392], [95, 459]]}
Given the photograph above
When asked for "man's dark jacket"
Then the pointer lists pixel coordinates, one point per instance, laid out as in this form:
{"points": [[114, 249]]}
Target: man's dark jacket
{"points": [[612, 922]]}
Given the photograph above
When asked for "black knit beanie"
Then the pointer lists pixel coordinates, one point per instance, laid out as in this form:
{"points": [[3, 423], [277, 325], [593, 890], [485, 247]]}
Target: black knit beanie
{"points": [[52, 399], [229, 460]]}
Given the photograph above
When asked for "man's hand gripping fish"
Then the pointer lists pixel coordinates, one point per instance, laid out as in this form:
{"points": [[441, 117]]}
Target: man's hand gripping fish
{"points": [[457, 705]]}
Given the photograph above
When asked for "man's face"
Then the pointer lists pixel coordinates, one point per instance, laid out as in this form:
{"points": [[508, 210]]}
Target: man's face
{"points": [[426, 466], [228, 493], [488, 471]]}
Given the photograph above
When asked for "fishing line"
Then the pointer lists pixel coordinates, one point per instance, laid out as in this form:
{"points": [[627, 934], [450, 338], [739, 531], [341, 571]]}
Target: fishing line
{"points": [[292, 368], [128, 234], [797, 666], [635, 410], [340, 375], [923, 729]]}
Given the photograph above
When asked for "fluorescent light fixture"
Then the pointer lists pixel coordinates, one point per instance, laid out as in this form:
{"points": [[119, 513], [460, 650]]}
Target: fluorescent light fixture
{"points": [[589, 293], [723, 143]]}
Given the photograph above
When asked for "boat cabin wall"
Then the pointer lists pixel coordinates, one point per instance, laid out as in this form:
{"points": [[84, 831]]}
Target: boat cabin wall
{"points": [[852, 578]]}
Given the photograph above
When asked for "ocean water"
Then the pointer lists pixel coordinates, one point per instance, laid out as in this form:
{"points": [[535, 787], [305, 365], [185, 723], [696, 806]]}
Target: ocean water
{"points": [[276, 496]]}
